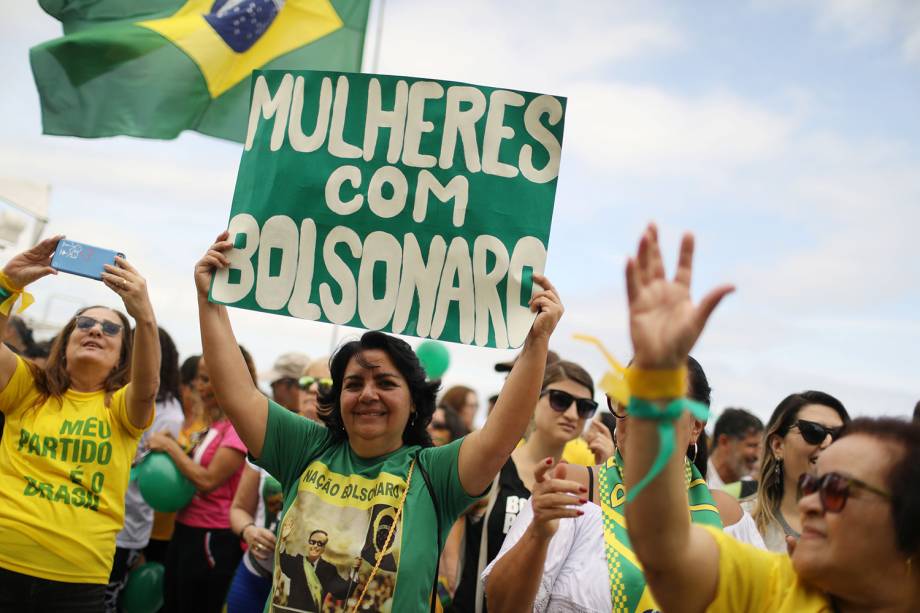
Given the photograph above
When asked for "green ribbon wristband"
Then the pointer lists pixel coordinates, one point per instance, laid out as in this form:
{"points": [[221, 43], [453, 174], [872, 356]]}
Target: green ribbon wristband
{"points": [[4, 293], [644, 409]]}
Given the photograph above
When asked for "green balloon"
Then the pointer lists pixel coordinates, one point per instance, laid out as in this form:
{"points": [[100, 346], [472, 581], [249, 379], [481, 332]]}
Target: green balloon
{"points": [[161, 484], [434, 358], [143, 591]]}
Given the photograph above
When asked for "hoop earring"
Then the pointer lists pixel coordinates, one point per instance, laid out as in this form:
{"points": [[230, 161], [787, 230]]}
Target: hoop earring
{"points": [[696, 450]]}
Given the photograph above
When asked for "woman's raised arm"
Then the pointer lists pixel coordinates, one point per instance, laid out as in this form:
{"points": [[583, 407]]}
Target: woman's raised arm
{"points": [[485, 451], [21, 270], [236, 392], [123, 279], [680, 561]]}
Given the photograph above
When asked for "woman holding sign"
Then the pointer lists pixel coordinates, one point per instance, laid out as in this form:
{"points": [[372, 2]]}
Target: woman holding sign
{"points": [[350, 488], [72, 428]]}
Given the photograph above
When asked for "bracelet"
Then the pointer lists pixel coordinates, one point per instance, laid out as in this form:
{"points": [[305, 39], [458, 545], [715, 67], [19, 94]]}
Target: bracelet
{"points": [[657, 384], [9, 293], [643, 409], [252, 523]]}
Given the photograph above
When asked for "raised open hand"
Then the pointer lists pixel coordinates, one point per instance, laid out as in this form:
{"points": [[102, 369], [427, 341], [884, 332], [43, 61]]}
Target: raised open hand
{"points": [[663, 321], [32, 264]]}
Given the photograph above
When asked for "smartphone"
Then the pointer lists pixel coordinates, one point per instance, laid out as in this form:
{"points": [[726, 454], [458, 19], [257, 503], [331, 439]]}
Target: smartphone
{"points": [[82, 259]]}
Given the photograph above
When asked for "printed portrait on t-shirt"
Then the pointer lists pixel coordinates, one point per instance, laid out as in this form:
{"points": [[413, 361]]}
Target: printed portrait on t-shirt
{"points": [[338, 529]]}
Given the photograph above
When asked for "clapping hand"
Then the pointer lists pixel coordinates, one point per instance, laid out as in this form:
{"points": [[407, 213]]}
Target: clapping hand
{"points": [[554, 498]]}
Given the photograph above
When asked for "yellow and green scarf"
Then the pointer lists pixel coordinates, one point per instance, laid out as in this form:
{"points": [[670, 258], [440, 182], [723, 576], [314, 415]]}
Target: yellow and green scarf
{"points": [[628, 591]]}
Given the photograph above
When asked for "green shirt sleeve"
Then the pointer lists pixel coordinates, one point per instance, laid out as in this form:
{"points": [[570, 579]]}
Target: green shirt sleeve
{"points": [[443, 468], [291, 443]]}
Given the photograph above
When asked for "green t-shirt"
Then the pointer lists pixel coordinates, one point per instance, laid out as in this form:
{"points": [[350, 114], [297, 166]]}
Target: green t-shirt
{"points": [[338, 510]]}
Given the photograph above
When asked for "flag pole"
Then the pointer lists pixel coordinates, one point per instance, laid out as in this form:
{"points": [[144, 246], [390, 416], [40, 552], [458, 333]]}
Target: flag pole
{"points": [[375, 60]]}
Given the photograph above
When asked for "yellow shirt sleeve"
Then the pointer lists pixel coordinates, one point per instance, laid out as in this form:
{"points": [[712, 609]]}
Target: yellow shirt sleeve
{"points": [[754, 580], [119, 407], [578, 452], [19, 393]]}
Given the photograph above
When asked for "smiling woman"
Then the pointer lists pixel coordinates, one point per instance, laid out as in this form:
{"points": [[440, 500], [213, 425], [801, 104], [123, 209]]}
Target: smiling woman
{"points": [[373, 469], [71, 432]]}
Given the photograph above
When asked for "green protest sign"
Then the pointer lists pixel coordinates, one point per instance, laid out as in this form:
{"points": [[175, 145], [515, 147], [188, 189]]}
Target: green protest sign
{"points": [[413, 206]]}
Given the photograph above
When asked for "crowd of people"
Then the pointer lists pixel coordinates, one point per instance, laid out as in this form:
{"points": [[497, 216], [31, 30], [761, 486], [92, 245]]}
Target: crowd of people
{"points": [[354, 483]]}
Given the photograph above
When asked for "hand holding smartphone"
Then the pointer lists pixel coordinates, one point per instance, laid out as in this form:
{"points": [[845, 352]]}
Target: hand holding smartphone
{"points": [[82, 259]]}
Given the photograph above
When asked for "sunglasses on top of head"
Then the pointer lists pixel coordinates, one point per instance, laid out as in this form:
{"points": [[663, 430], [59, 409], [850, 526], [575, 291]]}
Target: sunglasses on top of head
{"points": [[109, 328], [834, 489], [815, 433], [561, 401], [323, 383]]}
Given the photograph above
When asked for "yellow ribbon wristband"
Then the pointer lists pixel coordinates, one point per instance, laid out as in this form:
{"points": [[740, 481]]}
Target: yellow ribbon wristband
{"points": [[9, 293], [657, 384]]}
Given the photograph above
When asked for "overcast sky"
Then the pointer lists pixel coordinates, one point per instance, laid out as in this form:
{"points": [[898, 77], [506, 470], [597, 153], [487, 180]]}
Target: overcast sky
{"points": [[785, 134]]}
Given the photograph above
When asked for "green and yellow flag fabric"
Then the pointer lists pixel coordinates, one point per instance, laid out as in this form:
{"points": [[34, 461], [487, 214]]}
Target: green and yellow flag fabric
{"points": [[153, 68], [628, 590]]}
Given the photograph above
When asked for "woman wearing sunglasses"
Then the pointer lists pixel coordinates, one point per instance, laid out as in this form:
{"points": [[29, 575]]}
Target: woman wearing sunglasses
{"points": [[566, 403], [585, 563], [859, 509], [71, 432], [800, 429], [314, 382]]}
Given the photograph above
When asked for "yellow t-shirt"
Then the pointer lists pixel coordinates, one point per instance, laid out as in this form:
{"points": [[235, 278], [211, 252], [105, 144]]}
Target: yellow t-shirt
{"points": [[64, 468], [754, 580], [577, 452]]}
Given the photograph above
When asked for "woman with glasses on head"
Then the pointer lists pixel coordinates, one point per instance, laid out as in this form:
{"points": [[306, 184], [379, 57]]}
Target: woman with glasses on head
{"points": [[72, 428], [858, 508], [800, 429], [566, 403]]}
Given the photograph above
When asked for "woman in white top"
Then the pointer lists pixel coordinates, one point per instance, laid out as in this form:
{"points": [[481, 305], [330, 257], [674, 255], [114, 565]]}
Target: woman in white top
{"points": [[557, 561]]}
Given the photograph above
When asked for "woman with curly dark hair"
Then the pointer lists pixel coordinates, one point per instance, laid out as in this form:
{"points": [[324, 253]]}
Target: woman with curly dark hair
{"points": [[353, 489]]}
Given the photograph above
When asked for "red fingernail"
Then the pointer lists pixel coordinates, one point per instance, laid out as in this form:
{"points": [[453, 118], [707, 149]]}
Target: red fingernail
{"points": [[549, 461], [582, 500], [580, 512], [582, 489]]}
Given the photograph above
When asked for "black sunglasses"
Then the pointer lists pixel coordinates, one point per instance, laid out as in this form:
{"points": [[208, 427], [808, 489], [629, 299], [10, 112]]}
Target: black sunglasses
{"points": [[618, 410], [815, 433], [561, 401], [109, 328], [834, 489], [323, 383]]}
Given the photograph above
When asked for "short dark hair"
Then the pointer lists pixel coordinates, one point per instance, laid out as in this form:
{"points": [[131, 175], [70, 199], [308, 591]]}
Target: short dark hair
{"points": [[317, 531], [736, 423], [189, 370], [903, 479], [562, 370], [422, 391]]}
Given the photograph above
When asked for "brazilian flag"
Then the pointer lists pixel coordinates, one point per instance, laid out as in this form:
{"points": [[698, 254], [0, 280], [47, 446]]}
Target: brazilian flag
{"points": [[153, 68]]}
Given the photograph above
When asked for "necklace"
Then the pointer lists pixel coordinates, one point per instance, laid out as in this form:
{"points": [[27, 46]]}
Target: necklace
{"points": [[386, 545]]}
